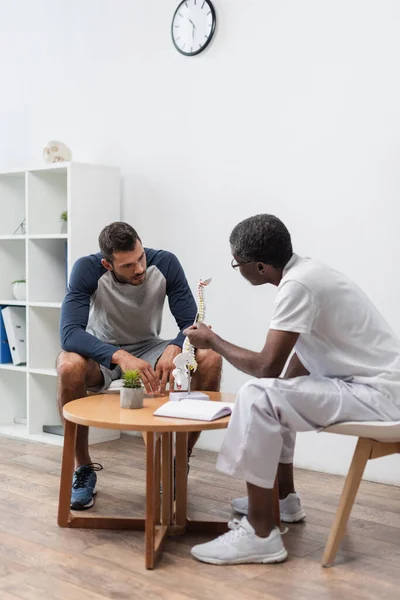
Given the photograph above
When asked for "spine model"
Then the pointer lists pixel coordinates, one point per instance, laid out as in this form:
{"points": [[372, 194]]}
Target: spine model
{"points": [[185, 362]]}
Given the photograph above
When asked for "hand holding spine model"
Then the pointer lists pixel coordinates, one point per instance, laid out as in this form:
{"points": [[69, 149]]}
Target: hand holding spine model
{"points": [[185, 362]]}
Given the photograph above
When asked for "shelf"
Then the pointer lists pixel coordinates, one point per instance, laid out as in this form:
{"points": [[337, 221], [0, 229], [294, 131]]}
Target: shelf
{"points": [[21, 431], [13, 387], [49, 372], [47, 199], [42, 402], [13, 173], [12, 202], [42, 251], [14, 429], [12, 261], [12, 367], [12, 302], [47, 271], [48, 236], [44, 340], [59, 168], [45, 304]]}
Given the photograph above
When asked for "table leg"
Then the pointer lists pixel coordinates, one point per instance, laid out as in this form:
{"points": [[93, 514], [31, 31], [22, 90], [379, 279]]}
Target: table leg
{"points": [[67, 471], [150, 487], [167, 479], [157, 480], [181, 479]]}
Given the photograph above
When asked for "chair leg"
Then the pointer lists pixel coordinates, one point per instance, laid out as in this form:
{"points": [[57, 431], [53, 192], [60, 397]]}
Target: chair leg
{"points": [[352, 483]]}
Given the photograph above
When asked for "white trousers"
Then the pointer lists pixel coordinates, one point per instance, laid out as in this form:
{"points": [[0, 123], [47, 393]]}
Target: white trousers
{"points": [[269, 412]]}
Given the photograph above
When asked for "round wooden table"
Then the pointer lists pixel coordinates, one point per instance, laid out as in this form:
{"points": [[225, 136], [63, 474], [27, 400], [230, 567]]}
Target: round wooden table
{"points": [[162, 517]]}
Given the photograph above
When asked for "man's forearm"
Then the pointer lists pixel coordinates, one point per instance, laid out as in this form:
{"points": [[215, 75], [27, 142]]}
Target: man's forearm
{"points": [[245, 360], [76, 339]]}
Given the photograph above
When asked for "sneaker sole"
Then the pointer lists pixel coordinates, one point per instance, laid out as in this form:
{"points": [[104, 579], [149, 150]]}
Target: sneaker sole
{"points": [[295, 518], [240, 511], [78, 506], [277, 557]]}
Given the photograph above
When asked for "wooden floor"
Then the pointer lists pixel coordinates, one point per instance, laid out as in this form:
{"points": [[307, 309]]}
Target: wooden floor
{"points": [[40, 561]]}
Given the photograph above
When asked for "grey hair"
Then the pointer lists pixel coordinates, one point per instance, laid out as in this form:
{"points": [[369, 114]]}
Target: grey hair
{"points": [[262, 238]]}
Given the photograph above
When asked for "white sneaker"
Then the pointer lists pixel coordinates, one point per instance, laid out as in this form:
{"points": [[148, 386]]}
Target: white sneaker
{"points": [[242, 545], [290, 508]]}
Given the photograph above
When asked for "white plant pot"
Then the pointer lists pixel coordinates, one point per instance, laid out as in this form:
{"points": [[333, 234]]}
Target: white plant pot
{"points": [[19, 290], [131, 398], [63, 227]]}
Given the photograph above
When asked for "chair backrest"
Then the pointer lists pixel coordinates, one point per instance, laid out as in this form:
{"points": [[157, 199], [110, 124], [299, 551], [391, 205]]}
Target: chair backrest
{"points": [[374, 430]]}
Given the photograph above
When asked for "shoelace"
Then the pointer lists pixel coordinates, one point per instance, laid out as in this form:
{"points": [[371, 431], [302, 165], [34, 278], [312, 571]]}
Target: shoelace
{"points": [[236, 532], [83, 474]]}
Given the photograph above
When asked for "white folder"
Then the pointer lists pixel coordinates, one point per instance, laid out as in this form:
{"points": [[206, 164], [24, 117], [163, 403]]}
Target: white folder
{"points": [[14, 318]]}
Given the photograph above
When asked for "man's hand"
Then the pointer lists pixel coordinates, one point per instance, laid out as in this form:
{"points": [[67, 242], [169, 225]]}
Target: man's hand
{"points": [[147, 374], [165, 366], [200, 336]]}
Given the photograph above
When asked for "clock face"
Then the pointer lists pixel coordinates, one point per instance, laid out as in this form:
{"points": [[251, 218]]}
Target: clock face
{"points": [[193, 26]]}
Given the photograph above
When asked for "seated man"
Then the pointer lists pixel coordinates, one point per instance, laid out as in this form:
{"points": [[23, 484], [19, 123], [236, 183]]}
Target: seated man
{"points": [[111, 321], [345, 366]]}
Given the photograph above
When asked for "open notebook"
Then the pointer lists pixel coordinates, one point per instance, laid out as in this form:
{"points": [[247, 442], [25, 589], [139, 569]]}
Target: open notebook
{"points": [[193, 409]]}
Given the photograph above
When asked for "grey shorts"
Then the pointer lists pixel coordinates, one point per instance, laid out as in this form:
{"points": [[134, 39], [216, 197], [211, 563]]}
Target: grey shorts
{"points": [[150, 350]]}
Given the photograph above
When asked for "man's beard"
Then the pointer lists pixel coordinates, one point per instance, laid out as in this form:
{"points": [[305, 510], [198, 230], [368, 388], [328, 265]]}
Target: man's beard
{"points": [[123, 280]]}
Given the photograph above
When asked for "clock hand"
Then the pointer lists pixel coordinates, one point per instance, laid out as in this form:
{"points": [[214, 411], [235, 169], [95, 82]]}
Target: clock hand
{"points": [[194, 26]]}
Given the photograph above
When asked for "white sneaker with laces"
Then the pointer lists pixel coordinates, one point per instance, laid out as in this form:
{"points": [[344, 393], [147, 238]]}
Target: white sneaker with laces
{"points": [[290, 508], [242, 545]]}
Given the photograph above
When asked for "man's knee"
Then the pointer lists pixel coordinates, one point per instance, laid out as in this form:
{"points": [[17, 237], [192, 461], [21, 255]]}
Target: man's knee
{"points": [[71, 365], [208, 360], [251, 391]]}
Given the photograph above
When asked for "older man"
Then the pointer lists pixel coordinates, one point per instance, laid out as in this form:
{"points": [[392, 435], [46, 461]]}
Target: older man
{"points": [[345, 366]]}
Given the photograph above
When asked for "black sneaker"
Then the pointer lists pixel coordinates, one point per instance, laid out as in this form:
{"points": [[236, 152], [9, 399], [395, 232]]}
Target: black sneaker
{"points": [[84, 486]]}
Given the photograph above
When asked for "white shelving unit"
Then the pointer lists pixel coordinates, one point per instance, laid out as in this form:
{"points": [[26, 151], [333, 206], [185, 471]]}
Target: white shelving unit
{"points": [[44, 256]]}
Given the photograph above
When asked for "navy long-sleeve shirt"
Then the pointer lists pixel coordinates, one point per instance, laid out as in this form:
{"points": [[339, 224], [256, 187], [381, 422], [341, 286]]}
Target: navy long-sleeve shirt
{"points": [[99, 315]]}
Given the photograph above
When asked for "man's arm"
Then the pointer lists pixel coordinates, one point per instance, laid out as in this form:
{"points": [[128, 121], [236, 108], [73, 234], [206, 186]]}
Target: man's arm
{"points": [[180, 298], [267, 363], [75, 314]]}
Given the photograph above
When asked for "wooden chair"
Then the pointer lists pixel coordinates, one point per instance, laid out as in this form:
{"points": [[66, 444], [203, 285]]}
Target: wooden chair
{"points": [[375, 439]]}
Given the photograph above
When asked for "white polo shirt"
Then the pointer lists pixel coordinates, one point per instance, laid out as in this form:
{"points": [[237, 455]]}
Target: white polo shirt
{"points": [[342, 334]]}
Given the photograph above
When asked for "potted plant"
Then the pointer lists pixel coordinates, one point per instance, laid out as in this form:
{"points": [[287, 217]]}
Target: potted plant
{"points": [[132, 391], [64, 221], [19, 289]]}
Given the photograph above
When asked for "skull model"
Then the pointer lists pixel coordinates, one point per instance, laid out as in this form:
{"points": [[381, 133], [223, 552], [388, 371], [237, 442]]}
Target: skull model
{"points": [[56, 152]]}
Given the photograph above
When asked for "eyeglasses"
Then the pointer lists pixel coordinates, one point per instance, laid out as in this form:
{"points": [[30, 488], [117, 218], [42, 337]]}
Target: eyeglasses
{"points": [[235, 265]]}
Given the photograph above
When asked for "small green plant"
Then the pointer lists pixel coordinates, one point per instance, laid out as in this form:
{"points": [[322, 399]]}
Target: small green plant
{"points": [[19, 281], [64, 216], [132, 379]]}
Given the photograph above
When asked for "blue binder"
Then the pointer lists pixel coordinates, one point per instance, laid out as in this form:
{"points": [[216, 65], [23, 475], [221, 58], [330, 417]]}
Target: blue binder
{"points": [[5, 354]]}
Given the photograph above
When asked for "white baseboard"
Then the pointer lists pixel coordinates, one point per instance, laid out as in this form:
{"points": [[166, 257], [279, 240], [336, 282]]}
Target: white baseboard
{"points": [[97, 436]]}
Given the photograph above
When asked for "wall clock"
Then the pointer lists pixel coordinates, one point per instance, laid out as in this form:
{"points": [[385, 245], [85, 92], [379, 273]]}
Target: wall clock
{"points": [[193, 26]]}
